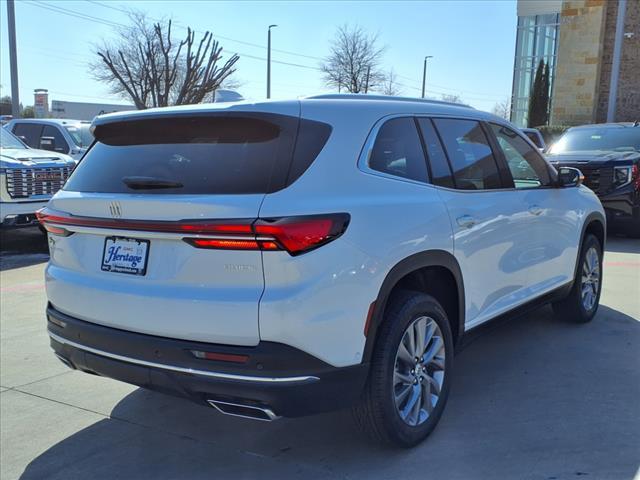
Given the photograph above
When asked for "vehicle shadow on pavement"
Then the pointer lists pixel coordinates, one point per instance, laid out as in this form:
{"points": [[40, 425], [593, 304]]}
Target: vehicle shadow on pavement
{"points": [[535, 398], [22, 248], [621, 244]]}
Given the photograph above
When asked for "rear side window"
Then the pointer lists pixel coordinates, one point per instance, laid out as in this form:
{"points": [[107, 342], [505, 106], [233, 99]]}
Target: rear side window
{"points": [[440, 170], [472, 160], [55, 140], [29, 133], [397, 150], [221, 154]]}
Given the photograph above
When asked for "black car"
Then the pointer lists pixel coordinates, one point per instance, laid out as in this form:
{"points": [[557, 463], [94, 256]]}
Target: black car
{"points": [[608, 155]]}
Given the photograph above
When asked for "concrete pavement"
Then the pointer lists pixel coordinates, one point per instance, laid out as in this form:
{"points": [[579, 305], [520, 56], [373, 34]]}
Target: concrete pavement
{"points": [[532, 398]]}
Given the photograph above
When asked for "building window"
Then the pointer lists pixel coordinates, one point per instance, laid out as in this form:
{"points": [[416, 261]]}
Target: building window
{"points": [[536, 40]]}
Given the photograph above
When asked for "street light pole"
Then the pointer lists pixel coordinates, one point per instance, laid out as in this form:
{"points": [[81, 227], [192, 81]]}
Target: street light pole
{"points": [[269, 60], [424, 73], [13, 59]]}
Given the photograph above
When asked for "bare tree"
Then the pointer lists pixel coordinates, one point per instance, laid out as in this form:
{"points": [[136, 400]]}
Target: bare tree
{"points": [[146, 64], [453, 98], [354, 61], [502, 109], [390, 84]]}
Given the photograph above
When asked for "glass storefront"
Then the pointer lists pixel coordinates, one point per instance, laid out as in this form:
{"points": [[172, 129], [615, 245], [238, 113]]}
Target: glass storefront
{"points": [[536, 39]]}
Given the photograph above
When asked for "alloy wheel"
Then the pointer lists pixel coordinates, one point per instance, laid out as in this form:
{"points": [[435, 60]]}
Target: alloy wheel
{"points": [[419, 371], [590, 279]]}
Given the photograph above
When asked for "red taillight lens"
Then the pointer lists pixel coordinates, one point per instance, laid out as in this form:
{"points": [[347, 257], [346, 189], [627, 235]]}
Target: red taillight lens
{"points": [[301, 234], [223, 244], [296, 235], [42, 217]]}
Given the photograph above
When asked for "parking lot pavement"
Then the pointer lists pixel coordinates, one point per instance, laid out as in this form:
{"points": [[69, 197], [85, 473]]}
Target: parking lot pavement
{"points": [[533, 398]]}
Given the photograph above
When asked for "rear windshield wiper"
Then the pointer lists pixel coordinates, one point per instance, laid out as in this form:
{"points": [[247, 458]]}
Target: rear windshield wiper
{"points": [[149, 183]]}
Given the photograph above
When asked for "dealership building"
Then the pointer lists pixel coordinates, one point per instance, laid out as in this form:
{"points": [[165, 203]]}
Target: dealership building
{"points": [[593, 51], [71, 110]]}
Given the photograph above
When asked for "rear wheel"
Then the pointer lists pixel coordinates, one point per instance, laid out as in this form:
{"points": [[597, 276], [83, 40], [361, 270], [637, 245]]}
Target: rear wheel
{"points": [[581, 304], [410, 372]]}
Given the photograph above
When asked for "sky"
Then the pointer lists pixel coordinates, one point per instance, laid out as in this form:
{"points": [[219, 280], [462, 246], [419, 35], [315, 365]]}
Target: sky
{"points": [[472, 43]]}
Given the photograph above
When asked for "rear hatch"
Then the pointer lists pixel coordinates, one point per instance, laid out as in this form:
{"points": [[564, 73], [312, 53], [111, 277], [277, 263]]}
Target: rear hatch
{"points": [[124, 231]]}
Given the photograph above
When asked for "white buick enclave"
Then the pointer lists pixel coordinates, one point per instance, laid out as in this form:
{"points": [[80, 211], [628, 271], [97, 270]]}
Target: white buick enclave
{"points": [[291, 257]]}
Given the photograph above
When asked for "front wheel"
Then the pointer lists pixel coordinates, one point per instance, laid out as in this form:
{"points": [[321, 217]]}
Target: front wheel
{"points": [[410, 372], [581, 304]]}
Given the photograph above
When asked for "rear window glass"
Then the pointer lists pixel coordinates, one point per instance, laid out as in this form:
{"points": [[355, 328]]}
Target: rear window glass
{"points": [[222, 154]]}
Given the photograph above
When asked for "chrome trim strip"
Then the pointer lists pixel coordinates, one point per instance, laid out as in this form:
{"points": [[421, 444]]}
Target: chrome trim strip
{"points": [[190, 371]]}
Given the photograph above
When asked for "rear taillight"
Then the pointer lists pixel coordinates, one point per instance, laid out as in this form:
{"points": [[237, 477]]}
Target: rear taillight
{"points": [[295, 235]]}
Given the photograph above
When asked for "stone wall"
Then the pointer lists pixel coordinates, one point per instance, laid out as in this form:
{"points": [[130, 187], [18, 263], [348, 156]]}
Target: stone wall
{"points": [[580, 48], [628, 101]]}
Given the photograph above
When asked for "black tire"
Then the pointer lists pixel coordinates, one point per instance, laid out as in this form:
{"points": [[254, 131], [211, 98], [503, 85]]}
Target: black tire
{"points": [[376, 412], [572, 308]]}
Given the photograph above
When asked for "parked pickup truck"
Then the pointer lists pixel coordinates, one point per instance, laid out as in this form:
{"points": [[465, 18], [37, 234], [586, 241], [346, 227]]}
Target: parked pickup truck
{"points": [[608, 155], [28, 179]]}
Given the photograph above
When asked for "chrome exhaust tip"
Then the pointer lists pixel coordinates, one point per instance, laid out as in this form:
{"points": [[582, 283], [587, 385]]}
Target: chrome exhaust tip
{"points": [[264, 414]]}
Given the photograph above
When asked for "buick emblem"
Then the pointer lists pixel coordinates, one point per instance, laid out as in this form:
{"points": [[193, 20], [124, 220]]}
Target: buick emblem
{"points": [[115, 209]]}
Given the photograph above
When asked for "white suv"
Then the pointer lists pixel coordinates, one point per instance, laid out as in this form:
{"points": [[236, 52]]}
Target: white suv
{"points": [[291, 257]]}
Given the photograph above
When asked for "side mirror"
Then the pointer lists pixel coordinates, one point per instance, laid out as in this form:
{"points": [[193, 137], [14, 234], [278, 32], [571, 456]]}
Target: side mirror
{"points": [[569, 177]]}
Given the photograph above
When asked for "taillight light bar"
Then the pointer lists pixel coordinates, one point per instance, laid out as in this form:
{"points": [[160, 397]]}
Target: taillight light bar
{"points": [[295, 235]]}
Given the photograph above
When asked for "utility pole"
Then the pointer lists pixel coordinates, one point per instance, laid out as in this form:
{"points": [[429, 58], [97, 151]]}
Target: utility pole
{"points": [[269, 60], [424, 73], [366, 83], [13, 59]]}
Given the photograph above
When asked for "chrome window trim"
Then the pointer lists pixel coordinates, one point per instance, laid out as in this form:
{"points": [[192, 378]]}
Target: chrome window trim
{"points": [[175, 368]]}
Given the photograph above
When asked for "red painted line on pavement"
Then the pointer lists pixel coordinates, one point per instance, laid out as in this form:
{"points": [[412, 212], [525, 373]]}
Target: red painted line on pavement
{"points": [[622, 264]]}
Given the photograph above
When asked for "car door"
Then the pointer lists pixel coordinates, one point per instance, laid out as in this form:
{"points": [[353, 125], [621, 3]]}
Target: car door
{"points": [[492, 242], [553, 217]]}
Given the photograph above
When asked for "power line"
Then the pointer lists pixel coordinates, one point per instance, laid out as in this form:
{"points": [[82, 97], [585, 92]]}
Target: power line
{"points": [[454, 89], [73, 13], [90, 18], [439, 89], [242, 42]]}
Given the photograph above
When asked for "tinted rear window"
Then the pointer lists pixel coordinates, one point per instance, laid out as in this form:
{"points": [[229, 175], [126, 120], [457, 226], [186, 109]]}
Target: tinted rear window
{"points": [[221, 154]]}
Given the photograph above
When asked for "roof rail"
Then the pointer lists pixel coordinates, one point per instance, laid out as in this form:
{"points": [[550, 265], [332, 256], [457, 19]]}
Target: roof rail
{"points": [[388, 98]]}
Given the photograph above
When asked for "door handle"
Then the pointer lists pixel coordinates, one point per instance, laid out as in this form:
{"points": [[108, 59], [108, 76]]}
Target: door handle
{"points": [[535, 210], [466, 221]]}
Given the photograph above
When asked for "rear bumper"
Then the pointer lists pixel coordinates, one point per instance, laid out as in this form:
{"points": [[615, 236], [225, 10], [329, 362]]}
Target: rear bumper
{"points": [[276, 377]]}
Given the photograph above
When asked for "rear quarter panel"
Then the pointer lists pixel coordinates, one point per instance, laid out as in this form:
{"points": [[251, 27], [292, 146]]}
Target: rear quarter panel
{"points": [[319, 301]]}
